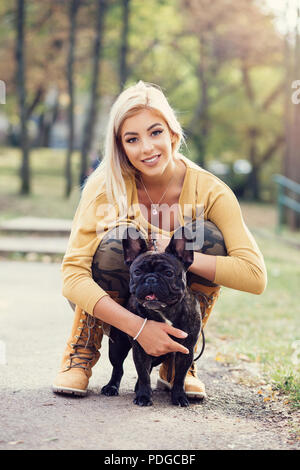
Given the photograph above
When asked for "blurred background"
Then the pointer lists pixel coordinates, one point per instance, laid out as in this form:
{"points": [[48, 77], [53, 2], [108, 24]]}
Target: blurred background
{"points": [[230, 69]]}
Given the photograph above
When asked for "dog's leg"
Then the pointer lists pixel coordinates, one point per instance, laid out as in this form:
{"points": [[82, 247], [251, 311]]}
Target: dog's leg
{"points": [[119, 347], [182, 364], [143, 365]]}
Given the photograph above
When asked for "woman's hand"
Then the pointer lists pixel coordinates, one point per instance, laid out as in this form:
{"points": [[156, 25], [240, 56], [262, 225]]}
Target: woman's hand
{"points": [[155, 339]]}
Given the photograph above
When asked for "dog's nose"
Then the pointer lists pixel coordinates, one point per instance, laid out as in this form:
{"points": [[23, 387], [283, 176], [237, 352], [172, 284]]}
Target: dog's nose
{"points": [[151, 280]]}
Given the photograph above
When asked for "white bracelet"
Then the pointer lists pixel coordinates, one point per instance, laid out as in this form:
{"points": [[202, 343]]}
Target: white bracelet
{"points": [[145, 321]]}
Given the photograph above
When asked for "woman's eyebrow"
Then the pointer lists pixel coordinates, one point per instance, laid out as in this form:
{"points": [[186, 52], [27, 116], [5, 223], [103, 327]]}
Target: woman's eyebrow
{"points": [[149, 128], [153, 125]]}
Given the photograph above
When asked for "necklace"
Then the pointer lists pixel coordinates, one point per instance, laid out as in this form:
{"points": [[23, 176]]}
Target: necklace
{"points": [[154, 207]]}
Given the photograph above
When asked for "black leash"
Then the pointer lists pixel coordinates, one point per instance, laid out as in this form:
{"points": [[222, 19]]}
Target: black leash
{"points": [[203, 346], [205, 302]]}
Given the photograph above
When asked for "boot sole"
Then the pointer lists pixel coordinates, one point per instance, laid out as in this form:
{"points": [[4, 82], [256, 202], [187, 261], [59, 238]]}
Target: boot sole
{"points": [[164, 385], [69, 391]]}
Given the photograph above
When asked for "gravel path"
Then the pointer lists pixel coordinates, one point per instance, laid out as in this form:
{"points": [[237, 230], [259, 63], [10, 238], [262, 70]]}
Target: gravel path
{"points": [[35, 323]]}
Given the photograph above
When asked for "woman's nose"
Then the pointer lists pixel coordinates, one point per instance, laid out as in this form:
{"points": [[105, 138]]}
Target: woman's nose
{"points": [[147, 146]]}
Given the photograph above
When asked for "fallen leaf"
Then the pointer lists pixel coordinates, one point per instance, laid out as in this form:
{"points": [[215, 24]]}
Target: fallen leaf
{"points": [[243, 357], [219, 358]]}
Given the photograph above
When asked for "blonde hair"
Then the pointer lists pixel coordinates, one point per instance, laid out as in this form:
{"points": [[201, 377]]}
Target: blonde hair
{"points": [[115, 164]]}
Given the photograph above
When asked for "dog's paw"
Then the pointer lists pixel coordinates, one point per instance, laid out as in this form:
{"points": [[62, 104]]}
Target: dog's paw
{"points": [[179, 399], [143, 400], [110, 390]]}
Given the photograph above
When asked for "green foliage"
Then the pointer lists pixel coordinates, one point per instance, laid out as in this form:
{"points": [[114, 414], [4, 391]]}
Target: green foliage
{"points": [[264, 328], [168, 43]]}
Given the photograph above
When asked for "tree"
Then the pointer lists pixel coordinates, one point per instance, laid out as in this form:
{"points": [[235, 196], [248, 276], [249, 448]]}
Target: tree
{"points": [[291, 160], [238, 37], [259, 157], [91, 114], [73, 10], [123, 70], [21, 91]]}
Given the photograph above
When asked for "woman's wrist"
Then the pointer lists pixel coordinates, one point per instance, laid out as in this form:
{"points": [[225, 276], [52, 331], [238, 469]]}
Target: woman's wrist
{"points": [[109, 311]]}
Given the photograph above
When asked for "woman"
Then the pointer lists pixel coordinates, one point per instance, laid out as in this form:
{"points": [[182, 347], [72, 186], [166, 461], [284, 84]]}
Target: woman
{"points": [[143, 180]]}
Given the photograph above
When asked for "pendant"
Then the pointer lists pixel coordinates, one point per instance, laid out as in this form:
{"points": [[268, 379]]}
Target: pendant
{"points": [[154, 210]]}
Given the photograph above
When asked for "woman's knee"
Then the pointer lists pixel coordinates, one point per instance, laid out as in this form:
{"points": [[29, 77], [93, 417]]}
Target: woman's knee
{"points": [[208, 238], [108, 268]]}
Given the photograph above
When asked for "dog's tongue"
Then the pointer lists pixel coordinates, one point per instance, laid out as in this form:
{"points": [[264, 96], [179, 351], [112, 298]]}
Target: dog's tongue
{"points": [[151, 297]]}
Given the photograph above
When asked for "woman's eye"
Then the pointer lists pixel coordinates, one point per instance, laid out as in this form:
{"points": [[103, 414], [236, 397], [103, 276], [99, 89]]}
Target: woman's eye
{"points": [[130, 141], [157, 132]]}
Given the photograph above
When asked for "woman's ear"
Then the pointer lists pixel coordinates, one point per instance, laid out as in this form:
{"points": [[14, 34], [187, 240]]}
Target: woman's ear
{"points": [[174, 139]]}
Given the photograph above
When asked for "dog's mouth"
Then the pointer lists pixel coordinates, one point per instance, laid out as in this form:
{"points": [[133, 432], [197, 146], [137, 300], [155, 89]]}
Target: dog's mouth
{"points": [[151, 297], [152, 302]]}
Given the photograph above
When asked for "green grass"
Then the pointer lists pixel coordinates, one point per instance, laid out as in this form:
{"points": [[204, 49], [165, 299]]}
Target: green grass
{"points": [[261, 328], [264, 328], [48, 186]]}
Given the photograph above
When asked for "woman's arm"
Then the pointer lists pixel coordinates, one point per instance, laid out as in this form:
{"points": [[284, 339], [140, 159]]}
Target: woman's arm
{"points": [[154, 338], [243, 268], [203, 265]]}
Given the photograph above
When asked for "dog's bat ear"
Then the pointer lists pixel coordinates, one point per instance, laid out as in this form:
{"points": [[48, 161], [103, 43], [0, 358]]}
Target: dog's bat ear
{"points": [[180, 246], [133, 245]]}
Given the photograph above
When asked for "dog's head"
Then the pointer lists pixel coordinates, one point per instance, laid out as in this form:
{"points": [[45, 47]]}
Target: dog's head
{"points": [[157, 279]]}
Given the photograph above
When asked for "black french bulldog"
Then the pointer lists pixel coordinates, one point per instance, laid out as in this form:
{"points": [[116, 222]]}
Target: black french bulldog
{"points": [[158, 292]]}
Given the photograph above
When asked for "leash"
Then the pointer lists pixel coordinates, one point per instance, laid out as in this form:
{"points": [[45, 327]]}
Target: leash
{"points": [[203, 346], [205, 299]]}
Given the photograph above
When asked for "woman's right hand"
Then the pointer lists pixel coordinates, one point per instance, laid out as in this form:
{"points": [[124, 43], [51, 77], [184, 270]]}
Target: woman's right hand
{"points": [[155, 339]]}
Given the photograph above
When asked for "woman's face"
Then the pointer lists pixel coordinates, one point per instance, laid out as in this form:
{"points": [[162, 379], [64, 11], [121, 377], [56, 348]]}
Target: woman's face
{"points": [[147, 142]]}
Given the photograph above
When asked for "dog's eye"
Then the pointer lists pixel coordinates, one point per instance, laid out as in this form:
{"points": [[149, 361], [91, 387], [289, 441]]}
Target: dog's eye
{"points": [[137, 272], [169, 273]]}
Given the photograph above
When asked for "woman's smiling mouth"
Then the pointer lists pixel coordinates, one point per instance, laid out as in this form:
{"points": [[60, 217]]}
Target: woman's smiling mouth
{"points": [[151, 160]]}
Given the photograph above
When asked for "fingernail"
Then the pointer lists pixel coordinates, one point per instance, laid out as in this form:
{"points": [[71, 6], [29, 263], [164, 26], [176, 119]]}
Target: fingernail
{"points": [[184, 334]]}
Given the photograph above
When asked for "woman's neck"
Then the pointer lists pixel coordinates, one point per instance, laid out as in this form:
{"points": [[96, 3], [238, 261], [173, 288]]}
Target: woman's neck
{"points": [[172, 173]]}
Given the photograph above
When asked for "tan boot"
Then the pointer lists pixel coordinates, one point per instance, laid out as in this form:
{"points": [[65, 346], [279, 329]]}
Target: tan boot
{"points": [[207, 296], [80, 355], [193, 387]]}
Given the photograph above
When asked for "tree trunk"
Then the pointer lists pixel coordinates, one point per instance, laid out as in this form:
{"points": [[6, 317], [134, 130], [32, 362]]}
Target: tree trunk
{"points": [[253, 182], [74, 5], [292, 161], [21, 91], [124, 45], [199, 125], [94, 93]]}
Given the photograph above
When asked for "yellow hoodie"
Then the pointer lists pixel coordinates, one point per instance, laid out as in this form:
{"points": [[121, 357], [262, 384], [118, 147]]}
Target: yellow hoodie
{"points": [[243, 268]]}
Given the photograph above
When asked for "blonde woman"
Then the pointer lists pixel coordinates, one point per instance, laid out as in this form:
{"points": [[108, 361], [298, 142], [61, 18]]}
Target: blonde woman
{"points": [[143, 180]]}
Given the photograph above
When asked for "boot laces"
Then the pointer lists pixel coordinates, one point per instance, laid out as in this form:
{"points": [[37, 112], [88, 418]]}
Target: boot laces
{"points": [[85, 348], [192, 370]]}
